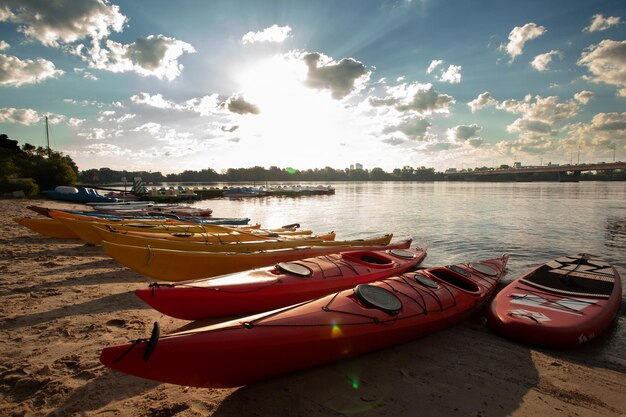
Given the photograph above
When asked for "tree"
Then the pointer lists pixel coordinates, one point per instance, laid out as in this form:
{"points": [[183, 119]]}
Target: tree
{"points": [[33, 162]]}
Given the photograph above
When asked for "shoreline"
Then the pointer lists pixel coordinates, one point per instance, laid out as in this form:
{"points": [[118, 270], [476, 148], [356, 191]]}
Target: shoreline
{"points": [[62, 301]]}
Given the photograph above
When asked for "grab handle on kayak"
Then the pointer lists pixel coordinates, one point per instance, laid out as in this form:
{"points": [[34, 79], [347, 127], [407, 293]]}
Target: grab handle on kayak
{"points": [[154, 338], [526, 316]]}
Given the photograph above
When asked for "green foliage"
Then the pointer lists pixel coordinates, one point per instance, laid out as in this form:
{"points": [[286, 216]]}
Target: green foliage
{"points": [[27, 185], [42, 168]]}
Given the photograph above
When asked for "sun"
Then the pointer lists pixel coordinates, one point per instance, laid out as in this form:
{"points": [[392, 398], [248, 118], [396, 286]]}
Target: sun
{"points": [[294, 119]]}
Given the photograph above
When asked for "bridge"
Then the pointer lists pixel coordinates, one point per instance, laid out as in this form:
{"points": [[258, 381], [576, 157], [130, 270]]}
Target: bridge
{"points": [[565, 172]]}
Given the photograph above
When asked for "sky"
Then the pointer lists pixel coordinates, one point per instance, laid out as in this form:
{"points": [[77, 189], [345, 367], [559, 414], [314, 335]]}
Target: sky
{"points": [[189, 85]]}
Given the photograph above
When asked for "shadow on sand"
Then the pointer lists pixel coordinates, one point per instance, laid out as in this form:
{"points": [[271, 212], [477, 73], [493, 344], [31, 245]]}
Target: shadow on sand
{"points": [[108, 304], [98, 393], [426, 377]]}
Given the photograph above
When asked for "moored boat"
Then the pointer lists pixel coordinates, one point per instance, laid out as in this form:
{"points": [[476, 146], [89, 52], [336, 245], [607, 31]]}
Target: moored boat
{"points": [[76, 195], [147, 216], [340, 325]]}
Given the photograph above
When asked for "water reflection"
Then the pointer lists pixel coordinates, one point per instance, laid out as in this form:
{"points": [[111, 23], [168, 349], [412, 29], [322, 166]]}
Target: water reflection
{"points": [[533, 222], [616, 232]]}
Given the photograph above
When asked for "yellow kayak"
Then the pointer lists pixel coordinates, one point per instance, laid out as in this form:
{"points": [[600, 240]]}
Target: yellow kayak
{"points": [[176, 265], [47, 227], [86, 230], [235, 236], [165, 241]]}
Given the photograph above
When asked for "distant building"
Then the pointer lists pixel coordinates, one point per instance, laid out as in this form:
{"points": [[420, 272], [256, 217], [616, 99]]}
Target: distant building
{"points": [[517, 165], [358, 166], [351, 167], [451, 170]]}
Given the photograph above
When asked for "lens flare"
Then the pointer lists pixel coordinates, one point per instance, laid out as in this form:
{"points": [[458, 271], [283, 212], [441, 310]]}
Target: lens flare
{"points": [[335, 330]]}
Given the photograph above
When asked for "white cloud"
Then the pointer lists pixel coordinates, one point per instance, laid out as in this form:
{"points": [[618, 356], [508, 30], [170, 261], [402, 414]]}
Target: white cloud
{"points": [[150, 127], [604, 132], [539, 121], [519, 36], [175, 142], [29, 117], [4, 45], [529, 125], [606, 61], [433, 65], [452, 74], [415, 97], [274, 33], [584, 96], [531, 145], [95, 133], [155, 100], [86, 74], [25, 117], [105, 149], [483, 100], [599, 23], [542, 62], [461, 133], [74, 122], [237, 104], [89, 103], [154, 55], [341, 78], [63, 21], [205, 105], [394, 141], [114, 117], [547, 110], [14, 72], [414, 128]]}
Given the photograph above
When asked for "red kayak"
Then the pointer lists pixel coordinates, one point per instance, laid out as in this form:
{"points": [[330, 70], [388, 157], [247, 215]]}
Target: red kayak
{"points": [[562, 303], [279, 286], [340, 325]]}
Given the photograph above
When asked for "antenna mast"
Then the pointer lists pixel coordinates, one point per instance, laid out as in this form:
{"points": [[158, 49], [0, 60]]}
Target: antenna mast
{"points": [[48, 137]]}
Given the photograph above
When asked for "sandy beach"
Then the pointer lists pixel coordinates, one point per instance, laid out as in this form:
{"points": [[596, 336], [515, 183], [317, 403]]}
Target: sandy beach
{"points": [[62, 301]]}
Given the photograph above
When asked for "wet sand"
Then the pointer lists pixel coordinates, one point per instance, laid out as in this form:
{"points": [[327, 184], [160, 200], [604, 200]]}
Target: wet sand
{"points": [[61, 301]]}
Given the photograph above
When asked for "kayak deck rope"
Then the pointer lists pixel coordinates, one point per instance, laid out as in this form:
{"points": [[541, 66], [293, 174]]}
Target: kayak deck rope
{"points": [[370, 319], [339, 263]]}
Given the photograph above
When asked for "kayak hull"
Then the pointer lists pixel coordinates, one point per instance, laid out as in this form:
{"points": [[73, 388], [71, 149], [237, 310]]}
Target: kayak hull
{"points": [[563, 303], [162, 241], [274, 287], [86, 230], [337, 326], [175, 265], [47, 227]]}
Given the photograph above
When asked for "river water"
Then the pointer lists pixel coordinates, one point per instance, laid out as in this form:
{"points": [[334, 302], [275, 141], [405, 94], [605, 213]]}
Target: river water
{"points": [[465, 221]]}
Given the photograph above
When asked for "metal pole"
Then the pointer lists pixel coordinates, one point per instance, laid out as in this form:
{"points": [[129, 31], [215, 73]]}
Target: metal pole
{"points": [[47, 137]]}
